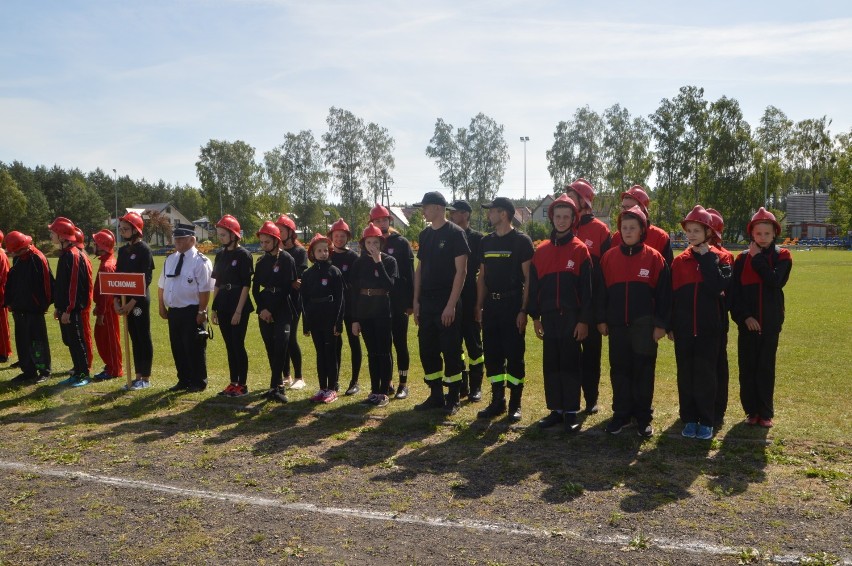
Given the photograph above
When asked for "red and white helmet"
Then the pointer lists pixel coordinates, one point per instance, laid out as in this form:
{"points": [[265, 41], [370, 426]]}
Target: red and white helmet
{"points": [[764, 215], [634, 212], [270, 229], [287, 222], [16, 241], [63, 228], [230, 224], [637, 193], [378, 211], [584, 189], [341, 226], [104, 240], [699, 215], [79, 238], [717, 223], [1, 236], [564, 200], [135, 220], [371, 231], [314, 241]]}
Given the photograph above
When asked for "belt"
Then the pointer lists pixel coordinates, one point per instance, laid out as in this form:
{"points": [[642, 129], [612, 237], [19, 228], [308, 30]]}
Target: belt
{"points": [[229, 286], [271, 289], [504, 294], [328, 299], [374, 292]]}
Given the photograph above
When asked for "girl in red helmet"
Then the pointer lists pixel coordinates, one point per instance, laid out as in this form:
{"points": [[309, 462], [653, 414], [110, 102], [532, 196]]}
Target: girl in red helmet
{"points": [[135, 257], [5, 337], [634, 305], [86, 315], [343, 259], [232, 269], [373, 276], [655, 237], [28, 292], [274, 275], [757, 306], [699, 277], [322, 308], [291, 244], [107, 335]]}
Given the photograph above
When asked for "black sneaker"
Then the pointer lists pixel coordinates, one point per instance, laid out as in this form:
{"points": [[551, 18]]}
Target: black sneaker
{"points": [[615, 426], [452, 409], [553, 419], [645, 431], [593, 409], [23, 378], [179, 387], [571, 424], [391, 390], [492, 410], [353, 389], [401, 392], [280, 394], [514, 414], [430, 403], [475, 396]]}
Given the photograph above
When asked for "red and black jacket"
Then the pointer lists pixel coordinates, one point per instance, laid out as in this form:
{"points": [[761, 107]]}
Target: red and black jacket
{"points": [[29, 286], [595, 235], [725, 300], [561, 278], [757, 289], [636, 287], [656, 238], [698, 283], [73, 289]]}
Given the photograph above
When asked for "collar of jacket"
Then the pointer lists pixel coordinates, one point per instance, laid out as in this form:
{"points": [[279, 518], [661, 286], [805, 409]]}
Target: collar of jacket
{"points": [[569, 235], [632, 250]]}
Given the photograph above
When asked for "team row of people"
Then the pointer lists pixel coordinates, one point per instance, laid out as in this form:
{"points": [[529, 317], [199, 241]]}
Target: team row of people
{"points": [[470, 293]]}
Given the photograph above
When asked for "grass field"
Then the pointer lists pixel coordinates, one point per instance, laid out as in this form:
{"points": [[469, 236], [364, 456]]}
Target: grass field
{"points": [[781, 495]]}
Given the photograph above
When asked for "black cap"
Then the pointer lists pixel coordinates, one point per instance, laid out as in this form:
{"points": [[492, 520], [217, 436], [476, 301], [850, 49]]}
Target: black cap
{"points": [[504, 203], [184, 230], [462, 205], [434, 197]]}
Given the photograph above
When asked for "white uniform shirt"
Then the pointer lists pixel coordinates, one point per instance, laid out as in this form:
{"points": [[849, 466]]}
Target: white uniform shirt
{"points": [[195, 277]]}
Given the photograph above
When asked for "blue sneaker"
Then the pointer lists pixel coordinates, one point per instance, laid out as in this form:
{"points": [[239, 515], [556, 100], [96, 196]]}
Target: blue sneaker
{"points": [[140, 384], [690, 430], [704, 432], [80, 380], [71, 380]]}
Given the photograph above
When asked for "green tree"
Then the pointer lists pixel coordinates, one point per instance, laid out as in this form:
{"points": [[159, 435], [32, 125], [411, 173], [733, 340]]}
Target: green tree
{"points": [[13, 203], [841, 187], [667, 129], [448, 148], [626, 146], [416, 224], [489, 154], [577, 149], [773, 138], [189, 201], [230, 181], [378, 159], [812, 156], [37, 216], [82, 204], [343, 152]]}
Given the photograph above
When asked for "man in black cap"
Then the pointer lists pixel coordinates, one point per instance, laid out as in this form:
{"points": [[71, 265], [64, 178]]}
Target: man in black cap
{"points": [[183, 290], [438, 282], [471, 386], [503, 288]]}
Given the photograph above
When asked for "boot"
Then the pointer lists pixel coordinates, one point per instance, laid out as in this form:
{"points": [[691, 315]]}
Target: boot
{"points": [[435, 399], [498, 402], [571, 424], [515, 402], [465, 388], [452, 401], [475, 395]]}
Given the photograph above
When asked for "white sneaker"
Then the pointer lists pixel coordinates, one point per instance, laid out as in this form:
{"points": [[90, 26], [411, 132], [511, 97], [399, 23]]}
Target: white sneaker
{"points": [[298, 384]]}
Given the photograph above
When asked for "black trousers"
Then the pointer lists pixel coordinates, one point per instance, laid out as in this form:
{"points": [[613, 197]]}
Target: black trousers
{"points": [[354, 347], [234, 337], [139, 328], [590, 365], [188, 349], [31, 343], [276, 339], [504, 346], [472, 334], [294, 353], [633, 361], [73, 336], [723, 378], [325, 343], [696, 358], [756, 353], [440, 346], [377, 337], [399, 332], [561, 362]]}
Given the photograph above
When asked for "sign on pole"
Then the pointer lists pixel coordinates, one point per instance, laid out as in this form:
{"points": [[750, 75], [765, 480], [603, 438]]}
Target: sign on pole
{"points": [[124, 284]]}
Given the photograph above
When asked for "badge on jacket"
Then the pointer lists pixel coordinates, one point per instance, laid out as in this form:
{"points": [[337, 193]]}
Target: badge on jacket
{"points": [[570, 264], [132, 256], [644, 273], [324, 282], [234, 263], [390, 251]]}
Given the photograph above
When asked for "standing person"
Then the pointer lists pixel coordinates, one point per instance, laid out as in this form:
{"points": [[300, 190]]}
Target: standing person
{"points": [[634, 305], [501, 306], [273, 279], [560, 304], [28, 293], [470, 325], [438, 282], [135, 257], [86, 314], [723, 375], [71, 298], [402, 294], [699, 277], [596, 237], [107, 335], [290, 244], [5, 336], [343, 259], [183, 292], [232, 271], [757, 306], [373, 276], [656, 238], [322, 308]]}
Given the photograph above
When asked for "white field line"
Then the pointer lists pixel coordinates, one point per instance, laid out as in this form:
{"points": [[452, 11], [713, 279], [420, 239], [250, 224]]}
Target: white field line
{"points": [[694, 546]]}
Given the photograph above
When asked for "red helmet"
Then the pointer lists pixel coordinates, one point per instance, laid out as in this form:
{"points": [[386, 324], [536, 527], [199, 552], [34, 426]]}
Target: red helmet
{"points": [[1, 236], [342, 226], [717, 223], [135, 220], [564, 200], [379, 211], [637, 193], [230, 224], [63, 228], [634, 212], [286, 221], [16, 241], [314, 241], [270, 229], [764, 215], [698, 214], [584, 189], [79, 237], [104, 240], [371, 231]]}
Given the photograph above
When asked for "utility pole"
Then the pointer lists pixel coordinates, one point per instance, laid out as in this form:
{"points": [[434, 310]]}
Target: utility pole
{"points": [[525, 139], [115, 184]]}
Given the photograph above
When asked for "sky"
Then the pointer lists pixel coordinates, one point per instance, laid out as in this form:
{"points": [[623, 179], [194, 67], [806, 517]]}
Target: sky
{"points": [[139, 87]]}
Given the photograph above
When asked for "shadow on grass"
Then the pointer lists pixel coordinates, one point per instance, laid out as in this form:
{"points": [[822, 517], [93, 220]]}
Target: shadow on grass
{"points": [[741, 460]]}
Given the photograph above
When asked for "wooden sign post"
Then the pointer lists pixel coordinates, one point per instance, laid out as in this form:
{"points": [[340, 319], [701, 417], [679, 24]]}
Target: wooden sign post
{"points": [[124, 284]]}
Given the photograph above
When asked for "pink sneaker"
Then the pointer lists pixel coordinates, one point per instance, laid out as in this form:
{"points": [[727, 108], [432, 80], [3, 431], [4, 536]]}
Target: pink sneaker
{"points": [[330, 396], [765, 423], [319, 396], [752, 420]]}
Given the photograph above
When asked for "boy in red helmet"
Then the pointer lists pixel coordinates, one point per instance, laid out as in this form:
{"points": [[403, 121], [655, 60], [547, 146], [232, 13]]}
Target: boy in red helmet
{"points": [[655, 237], [757, 306], [5, 337], [343, 259], [107, 335], [86, 315]]}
